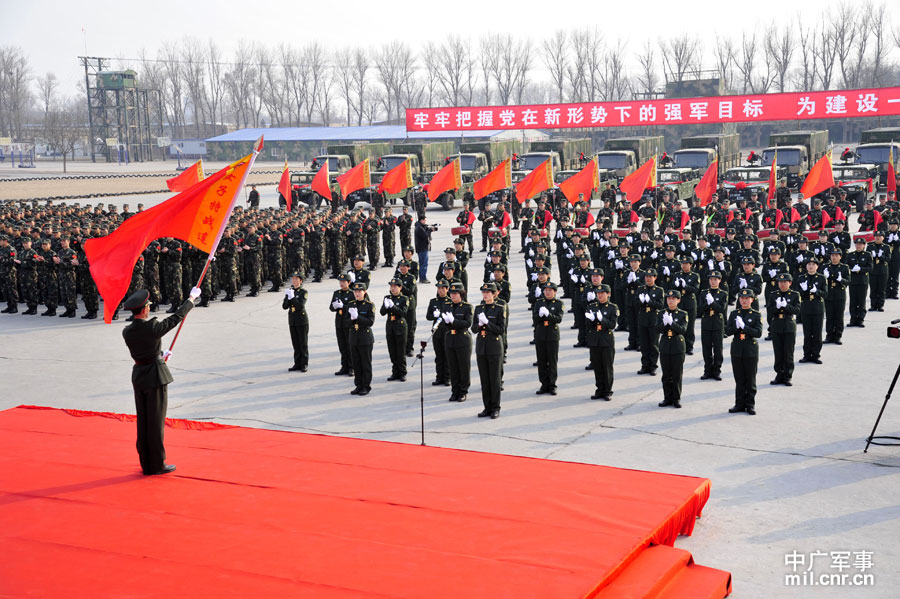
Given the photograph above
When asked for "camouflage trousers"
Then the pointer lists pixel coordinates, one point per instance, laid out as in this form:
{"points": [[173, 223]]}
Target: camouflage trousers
{"points": [[10, 287], [67, 289], [89, 290], [172, 275], [48, 286], [30, 290]]}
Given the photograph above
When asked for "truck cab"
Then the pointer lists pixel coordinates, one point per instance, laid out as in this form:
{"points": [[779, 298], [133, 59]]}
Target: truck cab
{"points": [[740, 181], [618, 163], [531, 160], [390, 161], [679, 182], [879, 154], [793, 158], [337, 163], [859, 180], [699, 158]]}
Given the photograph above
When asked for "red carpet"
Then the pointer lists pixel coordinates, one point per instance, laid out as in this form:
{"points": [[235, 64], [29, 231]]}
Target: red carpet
{"points": [[259, 513]]}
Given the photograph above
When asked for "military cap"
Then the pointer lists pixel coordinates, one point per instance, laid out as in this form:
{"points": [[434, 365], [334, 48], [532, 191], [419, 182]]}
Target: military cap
{"points": [[489, 287], [842, 192], [604, 288], [784, 276], [802, 239], [449, 266], [650, 272], [542, 270], [456, 287], [26, 239], [358, 287], [360, 258], [748, 260], [396, 281], [297, 274], [575, 232], [669, 248], [870, 201], [596, 272], [718, 248], [623, 243], [540, 257], [687, 232], [837, 250], [878, 233], [823, 232], [687, 258], [730, 231], [137, 300], [634, 258], [859, 240], [499, 266], [813, 259], [343, 277], [403, 262], [442, 283], [714, 274], [4, 238], [459, 241], [673, 293], [410, 249], [551, 285], [659, 237], [775, 250], [43, 241], [449, 250], [493, 253], [747, 293], [584, 257]]}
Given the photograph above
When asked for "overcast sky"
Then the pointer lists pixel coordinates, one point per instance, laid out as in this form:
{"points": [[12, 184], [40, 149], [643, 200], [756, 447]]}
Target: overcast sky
{"points": [[50, 32]]}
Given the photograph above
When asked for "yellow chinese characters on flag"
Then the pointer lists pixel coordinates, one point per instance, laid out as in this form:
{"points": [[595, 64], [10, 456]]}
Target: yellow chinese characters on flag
{"points": [[213, 208]]}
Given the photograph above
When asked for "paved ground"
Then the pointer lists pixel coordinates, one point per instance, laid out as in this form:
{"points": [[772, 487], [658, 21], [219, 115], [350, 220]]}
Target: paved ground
{"points": [[792, 478]]}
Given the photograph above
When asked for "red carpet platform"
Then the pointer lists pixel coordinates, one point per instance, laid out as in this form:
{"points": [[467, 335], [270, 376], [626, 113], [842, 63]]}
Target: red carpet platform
{"points": [[260, 513]]}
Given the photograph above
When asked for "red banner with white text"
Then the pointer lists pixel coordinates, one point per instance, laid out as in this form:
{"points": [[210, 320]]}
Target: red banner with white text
{"points": [[883, 101]]}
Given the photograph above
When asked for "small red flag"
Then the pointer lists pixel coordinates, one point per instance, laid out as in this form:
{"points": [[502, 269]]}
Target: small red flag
{"points": [[446, 179], [398, 179], [708, 184], [355, 179], [583, 182], [773, 174], [538, 180], [891, 174], [187, 178], [634, 184], [321, 183], [284, 185], [820, 177], [497, 179]]}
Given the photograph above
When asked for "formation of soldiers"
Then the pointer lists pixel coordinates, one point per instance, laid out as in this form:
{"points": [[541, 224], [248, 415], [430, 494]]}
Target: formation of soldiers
{"points": [[42, 259]]}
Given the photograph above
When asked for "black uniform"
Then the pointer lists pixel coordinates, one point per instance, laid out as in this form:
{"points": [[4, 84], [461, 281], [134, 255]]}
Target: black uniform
{"points": [[744, 355], [458, 346], [436, 306], [783, 330], [395, 308], [878, 277], [838, 277], [298, 322], [340, 300], [360, 344], [813, 289], [648, 336], [671, 353], [713, 311], [860, 265], [489, 354], [546, 340], [602, 344]]}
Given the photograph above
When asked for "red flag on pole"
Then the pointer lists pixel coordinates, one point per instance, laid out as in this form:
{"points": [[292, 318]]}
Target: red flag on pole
{"points": [[446, 179], [891, 174], [284, 185], [820, 177], [538, 180], [197, 216], [398, 179], [355, 179], [321, 183], [497, 179], [187, 178], [773, 178], [708, 184], [583, 182], [633, 185]]}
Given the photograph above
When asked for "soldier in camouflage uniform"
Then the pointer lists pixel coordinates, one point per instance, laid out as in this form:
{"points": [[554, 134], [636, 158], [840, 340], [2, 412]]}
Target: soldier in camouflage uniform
{"points": [[252, 256], [28, 277], [316, 243], [371, 227], [67, 262], [388, 226], [171, 253], [89, 288], [8, 279], [273, 250], [225, 267], [48, 284]]}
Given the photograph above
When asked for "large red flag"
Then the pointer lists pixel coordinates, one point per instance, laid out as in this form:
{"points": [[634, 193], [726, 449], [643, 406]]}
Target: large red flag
{"points": [[196, 216], [820, 177], [398, 179], [708, 184], [538, 180], [891, 174], [284, 185], [497, 179], [187, 178], [634, 184], [583, 182], [773, 178], [355, 179], [321, 183], [446, 179]]}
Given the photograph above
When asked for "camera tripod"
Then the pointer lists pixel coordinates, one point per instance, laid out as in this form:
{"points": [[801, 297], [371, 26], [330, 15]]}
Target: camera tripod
{"points": [[887, 440]]}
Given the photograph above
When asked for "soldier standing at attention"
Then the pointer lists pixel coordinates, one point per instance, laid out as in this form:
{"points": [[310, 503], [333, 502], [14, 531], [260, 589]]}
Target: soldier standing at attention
{"points": [[404, 224], [649, 301], [687, 283], [361, 340], [782, 306], [437, 306], [67, 261], [340, 300], [298, 321], [488, 326], [878, 277], [47, 279], [546, 316], [27, 262], [671, 325], [712, 326], [388, 241], [8, 281], [813, 289], [150, 376], [837, 274], [745, 324], [395, 306], [411, 292], [860, 264], [458, 343], [602, 317], [253, 198]]}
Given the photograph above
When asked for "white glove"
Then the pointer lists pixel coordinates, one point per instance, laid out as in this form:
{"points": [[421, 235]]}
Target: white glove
{"points": [[491, 277], [772, 273], [352, 276], [590, 316], [855, 268], [339, 304], [799, 259], [195, 293], [543, 311], [289, 293], [482, 319], [679, 282], [388, 303], [739, 322], [654, 254], [642, 297], [487, 260], [166, 355], [839, 277], [534, 276], [666, 271], [529, 263], [570, 255], [448, 317], [814, 288], [709, 298], [619, 264], [779, 304], [632, 277], [804, 286], [743, 284], [354, 313], [667, 318], [825, 272], [436, 313], [591, 296]]}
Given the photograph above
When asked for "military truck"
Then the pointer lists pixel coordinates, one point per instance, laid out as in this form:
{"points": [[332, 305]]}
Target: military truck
{"points": [[623, 155], [356, 153], [798, 151], [477, 158], [423, 157], [740, 181], [564, 154], [605, 177], [875, 148], [860, 181], [698, 151], [679, 182]]}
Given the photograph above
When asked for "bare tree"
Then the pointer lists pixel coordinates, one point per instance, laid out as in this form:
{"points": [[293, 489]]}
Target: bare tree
{"points": [[453, 66], [386, 65], [65, 128], [679, 54], [485, 63], [725, 54], [343, 77], [194, 69], [361, 84], [809, 54], [508, 61], [556, 59], [613, 78], [169, 58], [647, 78], [843, 29], [578, 70], [826, 52], [215, 84], [47, 92], [15, 76], [315, 63], [780, 48], [875, 16], [746, 62]]}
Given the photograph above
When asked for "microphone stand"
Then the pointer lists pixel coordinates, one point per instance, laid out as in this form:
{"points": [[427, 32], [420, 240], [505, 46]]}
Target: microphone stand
{"points": [[421, 358], [872, 439]]}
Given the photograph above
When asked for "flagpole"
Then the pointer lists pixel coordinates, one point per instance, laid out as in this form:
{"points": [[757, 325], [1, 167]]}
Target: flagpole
{"points": [[215, 245]]}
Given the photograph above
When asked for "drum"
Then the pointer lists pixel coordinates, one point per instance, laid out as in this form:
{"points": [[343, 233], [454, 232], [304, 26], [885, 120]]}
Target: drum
{"points": [[460, 230]]}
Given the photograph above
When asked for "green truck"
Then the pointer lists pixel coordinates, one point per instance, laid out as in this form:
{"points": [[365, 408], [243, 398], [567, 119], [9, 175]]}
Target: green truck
{"points": [[476, 159], [859, 180], [423, 157], [797, 151], [740, 181], [679, 182], [564, 154], [624, 155], [875, 147], [698, 151]]}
